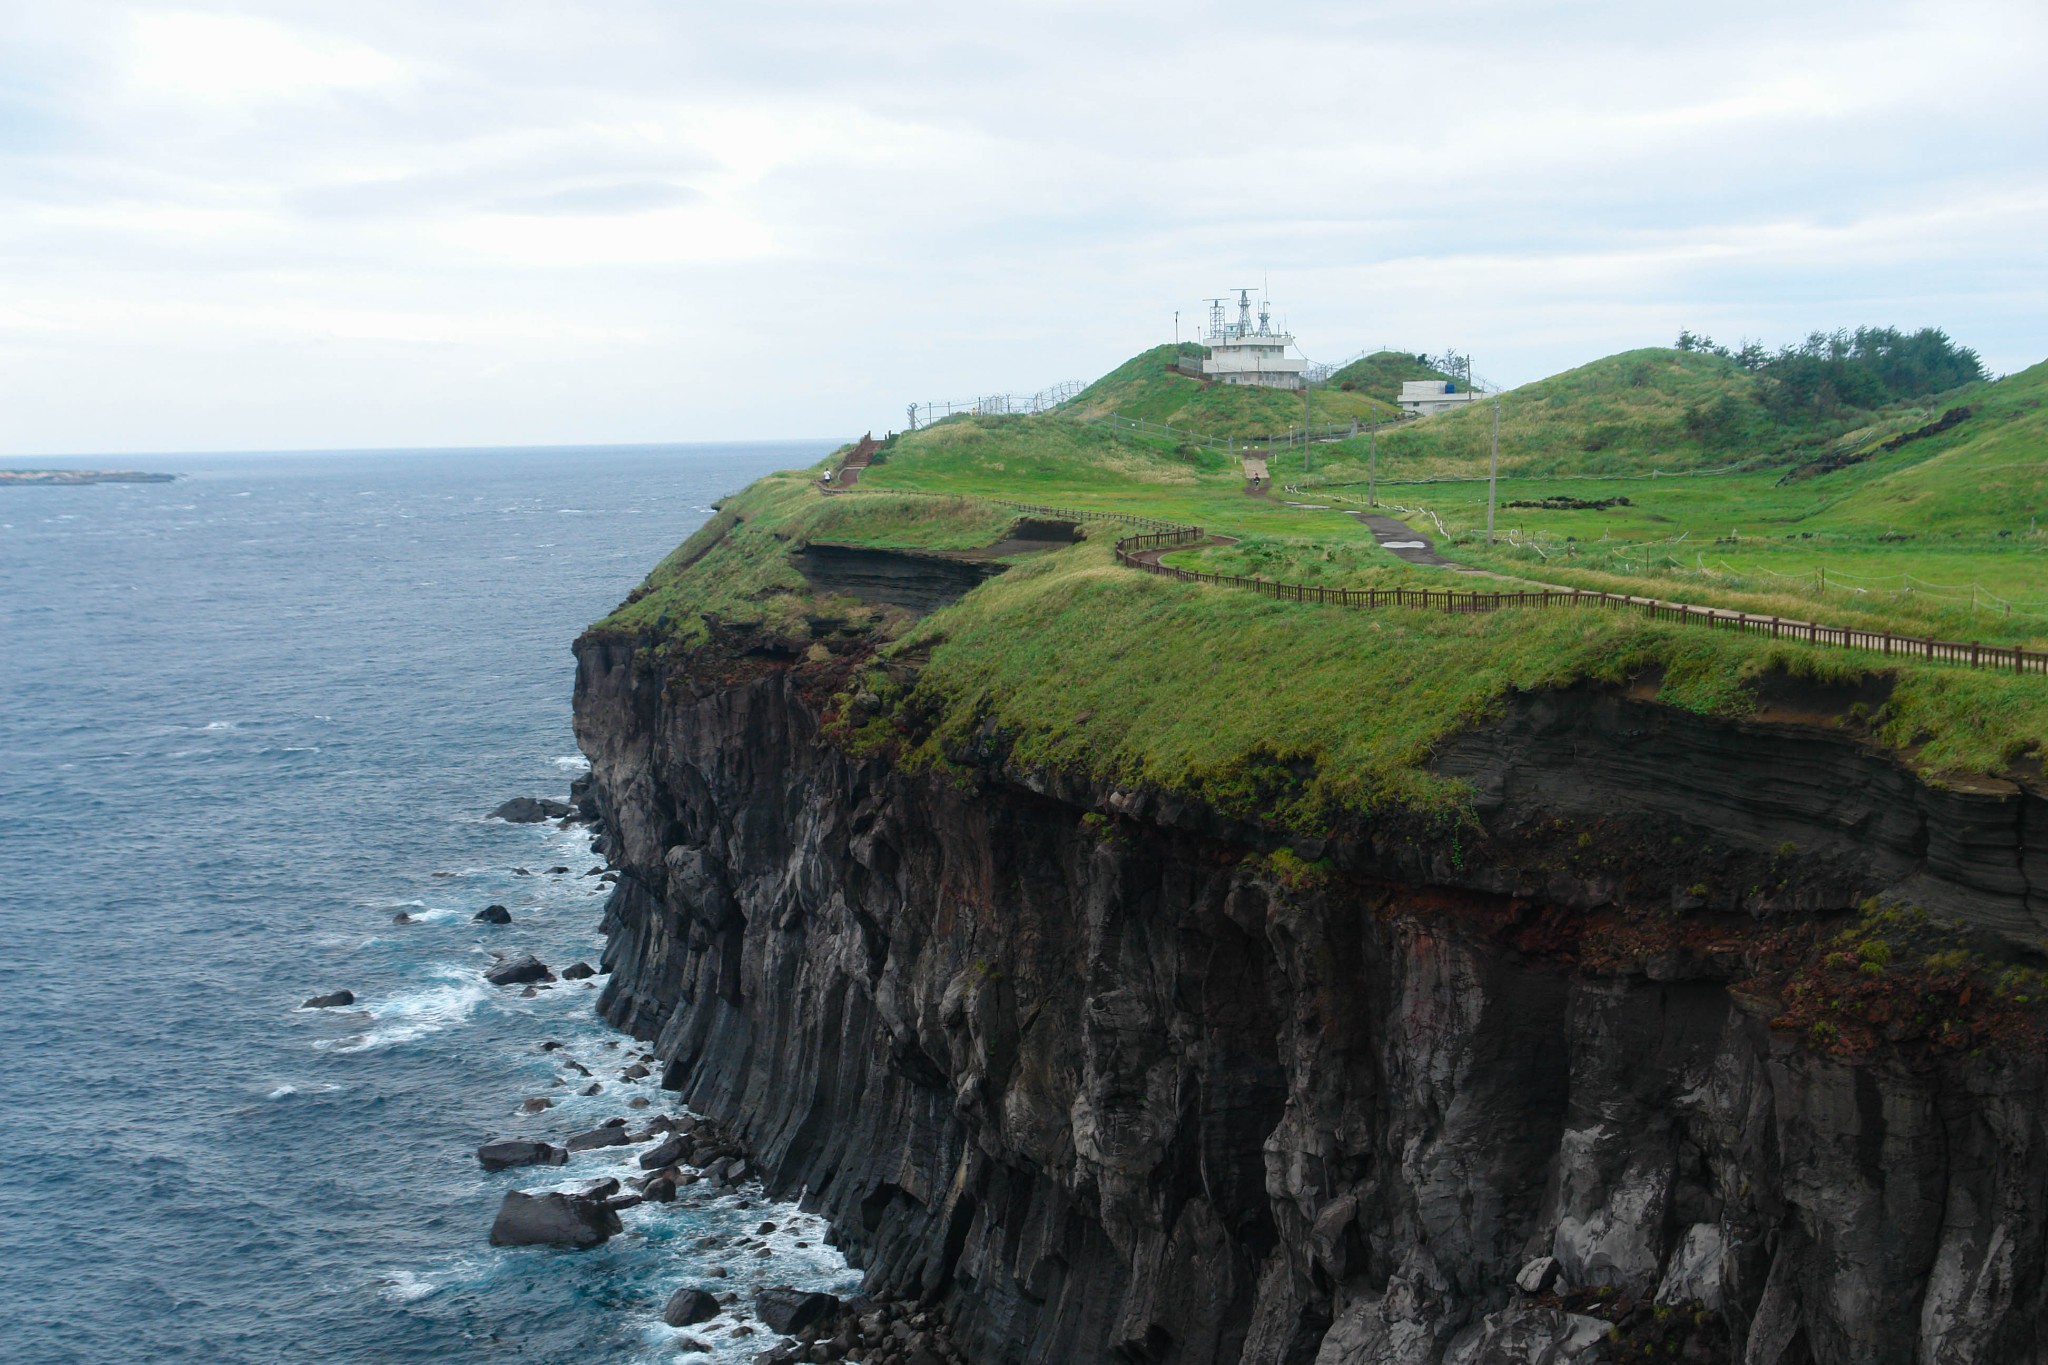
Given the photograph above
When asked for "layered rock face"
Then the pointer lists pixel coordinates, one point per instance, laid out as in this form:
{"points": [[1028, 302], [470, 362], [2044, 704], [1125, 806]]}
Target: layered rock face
{"points": [[1089, 1071]]}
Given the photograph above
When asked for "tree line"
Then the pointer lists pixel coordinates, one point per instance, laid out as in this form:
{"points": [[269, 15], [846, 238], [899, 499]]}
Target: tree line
{"points": [[1824, 376]]}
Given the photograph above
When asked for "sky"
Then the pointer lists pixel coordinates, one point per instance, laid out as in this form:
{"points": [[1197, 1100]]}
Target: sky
{"points": [[475, 222]]}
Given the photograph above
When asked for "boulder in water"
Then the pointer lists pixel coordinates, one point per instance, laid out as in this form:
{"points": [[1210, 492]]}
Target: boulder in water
{"points": [[578, 971], [689, 1306], [789, 1311], [598, 1137], [525, 810], [492, 914], [501, 1153], [330, 1000], [666, 1153], [515, 970], [553, 1218]]}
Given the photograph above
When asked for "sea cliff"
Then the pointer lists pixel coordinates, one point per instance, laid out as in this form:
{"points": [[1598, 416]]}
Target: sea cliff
{"points": [[1598, 1068]]}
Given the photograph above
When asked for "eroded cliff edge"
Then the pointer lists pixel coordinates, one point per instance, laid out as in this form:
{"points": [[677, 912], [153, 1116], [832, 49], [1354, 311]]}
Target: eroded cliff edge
{"points": [[1113, 1077]]}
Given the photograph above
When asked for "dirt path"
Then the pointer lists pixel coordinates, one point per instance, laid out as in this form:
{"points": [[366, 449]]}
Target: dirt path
{"points": [[1403, 541]]}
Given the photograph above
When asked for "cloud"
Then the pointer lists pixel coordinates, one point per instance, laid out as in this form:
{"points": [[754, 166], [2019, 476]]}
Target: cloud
{"points": [[228, 59], [471, 222], [617, 196]]}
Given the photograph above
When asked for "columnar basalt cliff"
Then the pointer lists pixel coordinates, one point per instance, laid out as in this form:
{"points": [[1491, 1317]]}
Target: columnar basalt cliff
{"points": [[1112, 1077]]}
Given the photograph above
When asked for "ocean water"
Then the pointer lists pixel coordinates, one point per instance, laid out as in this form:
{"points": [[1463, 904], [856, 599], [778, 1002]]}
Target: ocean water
{"points": [[245, 719]]}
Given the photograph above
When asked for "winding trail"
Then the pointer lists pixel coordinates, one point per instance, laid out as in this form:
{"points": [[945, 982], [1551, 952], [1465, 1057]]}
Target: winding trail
{"points": [[1403, 541]]}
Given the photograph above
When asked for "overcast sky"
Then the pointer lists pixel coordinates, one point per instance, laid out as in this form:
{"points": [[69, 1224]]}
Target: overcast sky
{"points": [[446, 222]]}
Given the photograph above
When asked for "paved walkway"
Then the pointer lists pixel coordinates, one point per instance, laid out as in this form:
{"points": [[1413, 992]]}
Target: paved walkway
{"points": [[1403, 541]]}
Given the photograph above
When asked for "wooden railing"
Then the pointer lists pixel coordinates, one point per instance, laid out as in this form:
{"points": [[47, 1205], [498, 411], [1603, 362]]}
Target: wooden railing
{"points": [[1167, 535], [1971, 654]]}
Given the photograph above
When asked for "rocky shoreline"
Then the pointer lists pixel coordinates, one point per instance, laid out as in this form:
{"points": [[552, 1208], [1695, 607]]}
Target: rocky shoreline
{"points": [[681, 1159]]}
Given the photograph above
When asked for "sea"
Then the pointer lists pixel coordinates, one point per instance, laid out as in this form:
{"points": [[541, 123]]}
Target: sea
{"points": [[246, 720]]}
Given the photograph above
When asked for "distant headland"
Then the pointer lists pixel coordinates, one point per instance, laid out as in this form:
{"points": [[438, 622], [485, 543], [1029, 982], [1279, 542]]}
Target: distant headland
{"points": [[22, 477]]}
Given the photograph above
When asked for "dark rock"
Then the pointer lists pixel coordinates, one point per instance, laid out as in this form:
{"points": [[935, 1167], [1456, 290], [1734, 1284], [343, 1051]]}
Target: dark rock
{"points": [[598, 1137], [534, 1104], [660, 1190], [666, 1153], [578, 971], [403, 917], [501, 1153], [556, 871], [789, 1311], [1333, 1116], [520, 810], [622, 1201], [689, 1306], [553, 1219], [513, 971], [330, 1000], [492, 914]]}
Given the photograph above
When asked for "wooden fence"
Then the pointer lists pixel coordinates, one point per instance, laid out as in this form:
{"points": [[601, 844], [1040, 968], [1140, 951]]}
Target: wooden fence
{"points": [[1971, 654]]}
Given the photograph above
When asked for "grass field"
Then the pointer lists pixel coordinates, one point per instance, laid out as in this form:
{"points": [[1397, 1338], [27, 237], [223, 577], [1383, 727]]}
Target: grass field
{"points": [[1299, 710]]}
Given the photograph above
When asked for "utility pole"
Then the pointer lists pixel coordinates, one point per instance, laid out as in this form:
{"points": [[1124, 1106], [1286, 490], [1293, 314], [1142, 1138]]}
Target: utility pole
{"points": [[912, 410], [1493, 474], [1176, 329], [1304, 424], [1372, 466]]}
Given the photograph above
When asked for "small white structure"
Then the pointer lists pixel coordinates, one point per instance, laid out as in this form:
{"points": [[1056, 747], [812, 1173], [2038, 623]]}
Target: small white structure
{"points": [[1428, 397], [1240, 353]]}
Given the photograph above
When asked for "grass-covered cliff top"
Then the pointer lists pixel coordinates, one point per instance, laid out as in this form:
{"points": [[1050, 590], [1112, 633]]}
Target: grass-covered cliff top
{"points": [[1292, 711]]}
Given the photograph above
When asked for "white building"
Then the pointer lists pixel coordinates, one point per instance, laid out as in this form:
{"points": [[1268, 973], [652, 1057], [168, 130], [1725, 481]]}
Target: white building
{"points": [[1241, 353], [1428, 397]]}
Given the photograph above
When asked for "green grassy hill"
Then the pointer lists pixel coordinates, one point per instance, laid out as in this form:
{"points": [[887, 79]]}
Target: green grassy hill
{"points": [[1382, 374], [1144, 387], [1625, 413], [1659, 408], [1988, 475], [1092, 666]]}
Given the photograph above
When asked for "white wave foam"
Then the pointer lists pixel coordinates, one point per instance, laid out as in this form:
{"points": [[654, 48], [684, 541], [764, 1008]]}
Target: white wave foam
{"points": [[403, 1018], [281, 1092], [575, 763], [402, 1286], [221, 725]]}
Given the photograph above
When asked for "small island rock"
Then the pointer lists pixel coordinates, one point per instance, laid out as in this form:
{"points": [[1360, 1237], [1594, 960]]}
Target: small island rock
{"points": [[515, 970], [330, 1000], [501, 1153], [553, 1219]]}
